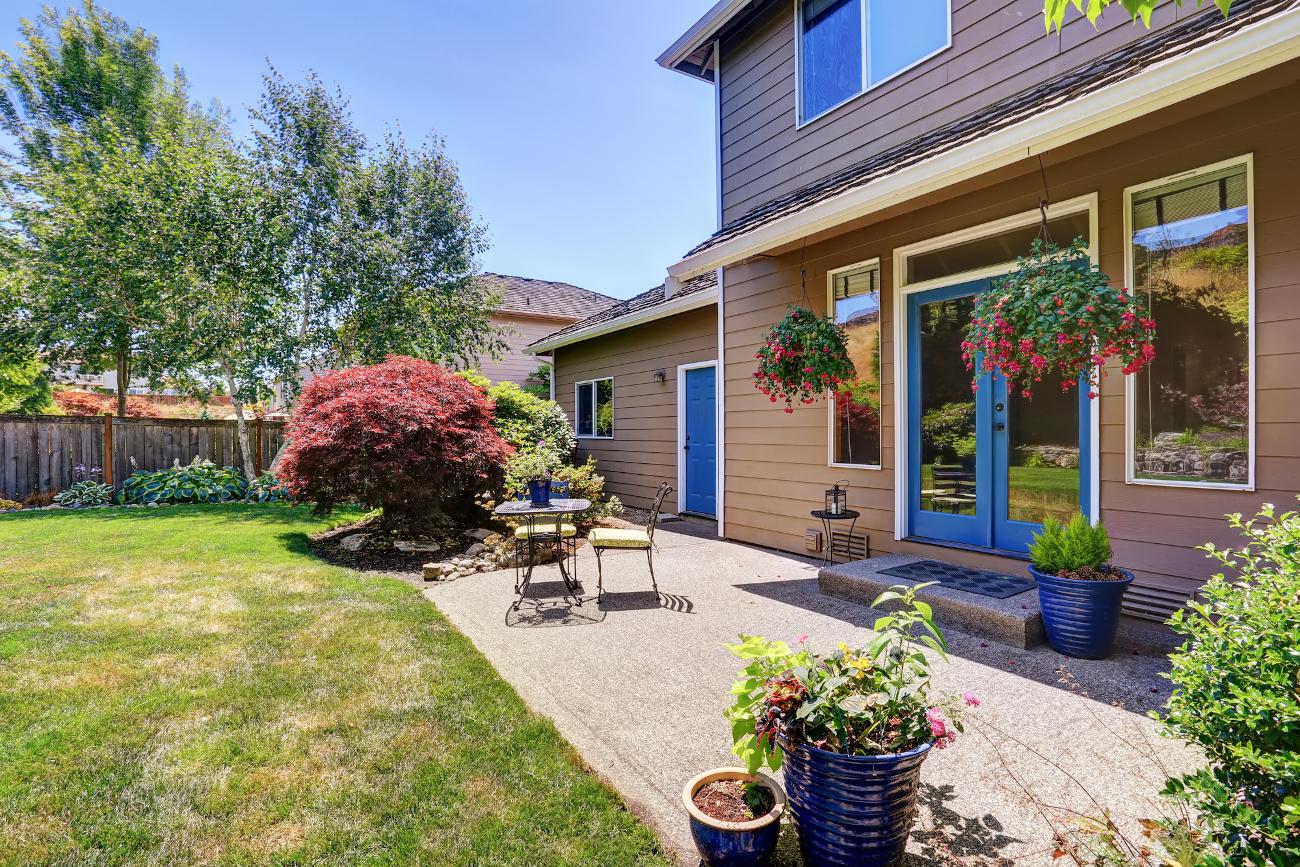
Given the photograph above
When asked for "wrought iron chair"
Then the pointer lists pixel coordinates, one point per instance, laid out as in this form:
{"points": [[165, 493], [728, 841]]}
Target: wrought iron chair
{"points": [[603, 539]]}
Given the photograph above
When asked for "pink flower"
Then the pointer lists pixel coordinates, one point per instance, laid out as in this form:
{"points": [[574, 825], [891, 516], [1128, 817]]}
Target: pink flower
{"points": [[971, 699], [801, 639]]}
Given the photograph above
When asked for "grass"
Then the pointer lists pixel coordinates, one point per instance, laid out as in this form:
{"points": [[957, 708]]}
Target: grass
{"points": [[189, 685], [1034, 491]]}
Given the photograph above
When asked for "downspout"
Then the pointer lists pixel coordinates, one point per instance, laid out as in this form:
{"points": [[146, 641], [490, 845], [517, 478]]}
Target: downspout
{"points": [[555, 369]]}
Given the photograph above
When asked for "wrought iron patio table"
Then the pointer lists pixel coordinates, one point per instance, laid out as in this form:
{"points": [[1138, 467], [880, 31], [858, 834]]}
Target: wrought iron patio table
{"points": [[828, 519], [553, 513]]}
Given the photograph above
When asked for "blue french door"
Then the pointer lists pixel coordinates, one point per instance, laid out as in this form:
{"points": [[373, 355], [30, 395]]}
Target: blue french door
{"points": [[985, 467], [700, 449]]}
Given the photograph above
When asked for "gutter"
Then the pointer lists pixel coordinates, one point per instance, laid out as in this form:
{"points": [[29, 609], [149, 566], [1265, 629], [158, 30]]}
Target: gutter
{"points": [[1269, 43], [673, 306], [700, 32]]}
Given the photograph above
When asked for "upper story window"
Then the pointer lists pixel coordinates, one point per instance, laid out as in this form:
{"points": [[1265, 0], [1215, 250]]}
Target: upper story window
{"points": [[849, 46]]}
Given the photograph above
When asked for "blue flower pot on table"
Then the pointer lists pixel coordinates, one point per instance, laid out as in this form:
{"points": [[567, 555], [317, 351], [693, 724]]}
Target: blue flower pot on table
{"points": [[734, 844], [852, 810], [1081, 617], [539, 492]]}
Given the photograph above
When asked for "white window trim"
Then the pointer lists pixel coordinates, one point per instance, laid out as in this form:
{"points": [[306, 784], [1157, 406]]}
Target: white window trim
{"points": [[799, 120], [830, 400], [1089, 203], [1130, 394], [592, 383], [681, 434]]}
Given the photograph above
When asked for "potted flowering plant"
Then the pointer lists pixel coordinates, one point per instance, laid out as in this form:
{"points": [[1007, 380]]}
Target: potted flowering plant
{"points": [[1079, 592], [1056, 317], [535, 467], [851, 728], [802, 356]]}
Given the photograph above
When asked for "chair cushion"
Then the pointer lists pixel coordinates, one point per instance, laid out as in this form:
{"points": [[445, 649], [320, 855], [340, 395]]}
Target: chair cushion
{"points": [[568, 530], [606, 537]]}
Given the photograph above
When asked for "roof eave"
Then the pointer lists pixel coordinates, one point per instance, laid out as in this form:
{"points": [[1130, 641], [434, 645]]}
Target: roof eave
{"points": [[1271, 42], [671, 307], [699, 33]]}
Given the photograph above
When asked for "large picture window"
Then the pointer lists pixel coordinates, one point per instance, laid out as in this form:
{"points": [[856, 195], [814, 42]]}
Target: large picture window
{"points": [[1191, 260], [849, 46], [855, 426], [594, 408]]}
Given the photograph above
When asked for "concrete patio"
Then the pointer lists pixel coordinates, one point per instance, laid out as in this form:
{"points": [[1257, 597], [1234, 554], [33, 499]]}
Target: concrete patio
{"points": [[638, 686]]}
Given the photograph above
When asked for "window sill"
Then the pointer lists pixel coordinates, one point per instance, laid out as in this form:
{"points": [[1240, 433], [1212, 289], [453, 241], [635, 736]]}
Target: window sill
{"points": [[1196, 486], [592, 437], [854, 466]]}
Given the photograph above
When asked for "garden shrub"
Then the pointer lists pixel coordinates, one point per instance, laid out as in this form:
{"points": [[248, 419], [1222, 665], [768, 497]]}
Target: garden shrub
{"points": [[9, 505], [405, 435], [1073, 547], [266, 488], [84, 494], [523, 418], [199, 481], [949, 429], [584, 483], [1237, 694]]}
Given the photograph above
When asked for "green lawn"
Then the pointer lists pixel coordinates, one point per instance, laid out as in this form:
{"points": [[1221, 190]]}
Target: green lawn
{"points": [[188, 685]]}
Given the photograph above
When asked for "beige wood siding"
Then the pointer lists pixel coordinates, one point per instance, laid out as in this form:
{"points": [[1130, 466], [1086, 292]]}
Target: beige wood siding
{"points": [[776, 464], [643, 452], [516, 365], [998, 49]]}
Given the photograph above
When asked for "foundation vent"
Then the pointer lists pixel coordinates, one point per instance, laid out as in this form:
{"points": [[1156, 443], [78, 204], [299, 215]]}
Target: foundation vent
{"points": [[812, 540], [1152, 603], [855, 547]]}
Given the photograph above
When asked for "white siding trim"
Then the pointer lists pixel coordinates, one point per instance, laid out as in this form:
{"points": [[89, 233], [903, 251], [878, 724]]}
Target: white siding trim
{"points": [[722, 407], [613, 396], [830, 400]]}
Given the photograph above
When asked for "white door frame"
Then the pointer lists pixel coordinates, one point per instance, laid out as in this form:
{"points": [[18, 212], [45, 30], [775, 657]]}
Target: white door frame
{"points": [[1088, 203], [681, 432]]}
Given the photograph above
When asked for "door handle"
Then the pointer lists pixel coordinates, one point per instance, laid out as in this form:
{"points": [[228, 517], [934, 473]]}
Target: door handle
{"points": [[999, 427]]}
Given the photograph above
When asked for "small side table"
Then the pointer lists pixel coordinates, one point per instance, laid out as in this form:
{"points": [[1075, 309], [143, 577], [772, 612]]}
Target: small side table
{"points": [[828, 519]]}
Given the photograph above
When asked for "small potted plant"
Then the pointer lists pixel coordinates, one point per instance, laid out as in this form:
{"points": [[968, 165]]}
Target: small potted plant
{"points": [[535, 467], [1079, 592], [735, 816], [851, 728]]}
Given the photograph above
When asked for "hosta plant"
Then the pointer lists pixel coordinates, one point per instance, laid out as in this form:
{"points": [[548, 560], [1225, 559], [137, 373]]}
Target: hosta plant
{"points": [[200, 481], [802, 357], [85, 494], [266, 488], [874, 700], [1056, 318]]}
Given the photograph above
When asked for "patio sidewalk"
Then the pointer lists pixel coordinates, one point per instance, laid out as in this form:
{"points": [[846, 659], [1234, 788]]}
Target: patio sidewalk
{"points": [[639, 689]]}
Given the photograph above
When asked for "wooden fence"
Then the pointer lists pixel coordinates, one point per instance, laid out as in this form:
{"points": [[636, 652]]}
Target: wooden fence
{"points": [[40, 453]]}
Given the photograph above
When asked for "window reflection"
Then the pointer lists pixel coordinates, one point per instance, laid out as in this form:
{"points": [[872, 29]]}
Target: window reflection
{"points": [[947, 410], [856, 435]]}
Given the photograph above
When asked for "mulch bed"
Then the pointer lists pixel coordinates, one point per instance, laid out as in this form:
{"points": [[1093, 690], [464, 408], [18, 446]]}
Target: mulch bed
{"points": [[725, 800], [327, 547]]}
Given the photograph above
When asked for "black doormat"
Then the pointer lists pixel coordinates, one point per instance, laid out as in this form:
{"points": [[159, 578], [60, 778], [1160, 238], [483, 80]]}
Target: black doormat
{"points": [[992, 584]]}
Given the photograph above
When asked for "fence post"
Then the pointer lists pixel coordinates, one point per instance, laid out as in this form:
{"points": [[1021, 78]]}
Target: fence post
{"points": [[257, 450], [108, 448]]}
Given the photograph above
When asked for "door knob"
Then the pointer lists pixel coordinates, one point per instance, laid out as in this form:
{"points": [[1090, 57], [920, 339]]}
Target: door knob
{"points": [[997, 407], [999, 427]]}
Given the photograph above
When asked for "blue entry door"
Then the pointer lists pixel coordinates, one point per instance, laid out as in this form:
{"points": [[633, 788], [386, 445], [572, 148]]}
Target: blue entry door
{"points": [[985, 466], [700, 444]]}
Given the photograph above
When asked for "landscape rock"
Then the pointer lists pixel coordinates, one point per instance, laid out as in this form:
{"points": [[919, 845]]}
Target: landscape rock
{"points": [[354, 541], [412, 547], [479, 535], [436, 572], [475, 550]]}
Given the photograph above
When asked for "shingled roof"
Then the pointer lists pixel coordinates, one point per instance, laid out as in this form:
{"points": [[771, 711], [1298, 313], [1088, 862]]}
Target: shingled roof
{"points": [[1110, 68], [545, 297], [633, 307]]}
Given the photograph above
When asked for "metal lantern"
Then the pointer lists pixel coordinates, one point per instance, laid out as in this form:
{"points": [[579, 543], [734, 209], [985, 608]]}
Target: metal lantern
{"points": [[837, 498]]}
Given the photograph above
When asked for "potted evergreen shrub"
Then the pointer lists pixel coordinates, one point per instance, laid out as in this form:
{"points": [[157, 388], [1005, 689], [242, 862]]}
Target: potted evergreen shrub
{"points": [[851, 728], [735, 816], [1079, 592]]}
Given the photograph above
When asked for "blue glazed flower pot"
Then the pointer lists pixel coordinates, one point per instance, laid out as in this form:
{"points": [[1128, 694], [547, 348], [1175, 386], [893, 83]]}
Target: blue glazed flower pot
{"points": [[734, 844], [539, 492], [1081, 617], [852, 810]]}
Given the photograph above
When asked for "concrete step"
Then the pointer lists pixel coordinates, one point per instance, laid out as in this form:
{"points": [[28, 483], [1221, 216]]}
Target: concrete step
{"points": [[1016, 620]]}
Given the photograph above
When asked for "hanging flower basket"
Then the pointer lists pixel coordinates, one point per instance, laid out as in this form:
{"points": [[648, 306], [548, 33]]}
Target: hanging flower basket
{"points": [[1056, 318], [802, 356]]}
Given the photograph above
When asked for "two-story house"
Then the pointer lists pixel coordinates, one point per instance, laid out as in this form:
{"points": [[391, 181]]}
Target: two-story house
{"points": [[881, 162]]}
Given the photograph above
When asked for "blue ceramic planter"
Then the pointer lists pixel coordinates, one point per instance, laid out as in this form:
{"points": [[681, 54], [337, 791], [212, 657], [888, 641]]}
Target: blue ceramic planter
{"points": [[539, 492], [1081, 617], [852, 810], [734, 844]]}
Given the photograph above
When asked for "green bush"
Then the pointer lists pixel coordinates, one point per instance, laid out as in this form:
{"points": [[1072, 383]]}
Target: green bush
{"points": [[587, 484], [198, 482], [522, 418], [266, 488], [948, 429], [1069, 547], [85, 494], [1237, 694]]}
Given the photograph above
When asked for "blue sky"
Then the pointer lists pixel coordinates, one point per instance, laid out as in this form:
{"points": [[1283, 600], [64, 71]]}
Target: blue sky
{"points": [[587, 162]]}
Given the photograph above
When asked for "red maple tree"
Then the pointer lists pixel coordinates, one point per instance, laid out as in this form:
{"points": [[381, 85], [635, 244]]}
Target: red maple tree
{"points": [[405, 435]]}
